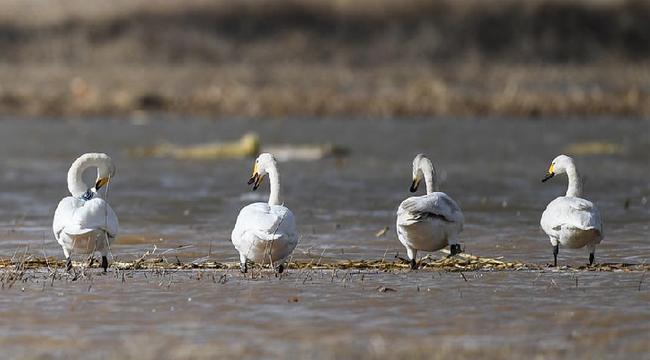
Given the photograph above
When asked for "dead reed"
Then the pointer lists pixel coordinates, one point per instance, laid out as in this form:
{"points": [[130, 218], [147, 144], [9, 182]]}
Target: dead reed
{"points": [[461, 263]]}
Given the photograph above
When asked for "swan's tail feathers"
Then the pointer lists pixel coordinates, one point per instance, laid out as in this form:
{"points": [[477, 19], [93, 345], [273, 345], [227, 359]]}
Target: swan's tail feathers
{"points": [[267, 236], [74, 230], [406, 219], [407, 222]]}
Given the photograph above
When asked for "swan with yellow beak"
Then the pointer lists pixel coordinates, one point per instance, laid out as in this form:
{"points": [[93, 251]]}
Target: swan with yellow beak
{"points": [[570, 220], [265, 233], [84, 223]]}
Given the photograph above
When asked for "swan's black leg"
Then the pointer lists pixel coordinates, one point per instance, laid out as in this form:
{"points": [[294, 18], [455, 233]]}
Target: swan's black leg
{"points": [[68, 263], [556, 250], [280, 268], [243, 267], [414, 264], [104, 263], [591, 259], [454, 249]]}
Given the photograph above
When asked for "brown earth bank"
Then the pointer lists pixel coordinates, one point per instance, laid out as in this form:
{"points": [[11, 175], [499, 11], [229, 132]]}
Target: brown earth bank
{"points": [[383, 58], [320, 91]]}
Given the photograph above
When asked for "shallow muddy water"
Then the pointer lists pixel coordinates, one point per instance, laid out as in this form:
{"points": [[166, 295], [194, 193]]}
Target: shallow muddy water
{"points": [[491, 167]]}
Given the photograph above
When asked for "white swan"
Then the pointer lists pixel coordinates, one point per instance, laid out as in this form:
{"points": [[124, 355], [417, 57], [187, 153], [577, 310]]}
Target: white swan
{"points": [[570, 220], [428, 222], [265, 232], [84, 222]]}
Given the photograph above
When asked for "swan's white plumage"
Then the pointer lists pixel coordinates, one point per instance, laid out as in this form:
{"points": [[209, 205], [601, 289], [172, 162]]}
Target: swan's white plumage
{"points": [[265, 233], [437, 203], [85, 226], [573, 222], [428, 222], [78, 216], [77, 222]]}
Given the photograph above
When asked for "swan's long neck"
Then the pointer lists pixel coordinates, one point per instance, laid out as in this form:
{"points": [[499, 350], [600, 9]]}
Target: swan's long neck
{"points": [[76, 185], [575, 182], [429, 176], [275, 197]]}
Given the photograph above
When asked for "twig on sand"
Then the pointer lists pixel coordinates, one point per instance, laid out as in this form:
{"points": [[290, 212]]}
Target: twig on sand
{"points": [[641, 280]]}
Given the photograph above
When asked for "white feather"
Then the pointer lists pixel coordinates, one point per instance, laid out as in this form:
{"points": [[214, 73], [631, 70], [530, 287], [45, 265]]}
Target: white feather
{"points": [[429, 222], [83, 227], [573, 222], [265, 233]]}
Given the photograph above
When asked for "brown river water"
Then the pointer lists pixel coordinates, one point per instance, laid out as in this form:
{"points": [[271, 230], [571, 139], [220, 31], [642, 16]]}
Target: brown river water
{"points": [[182, 208]]}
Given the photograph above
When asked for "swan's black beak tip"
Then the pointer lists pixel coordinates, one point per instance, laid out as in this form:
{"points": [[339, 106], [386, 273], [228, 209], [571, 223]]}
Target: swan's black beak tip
{"points": [[414, 186], [548, 176], [256, 179]]}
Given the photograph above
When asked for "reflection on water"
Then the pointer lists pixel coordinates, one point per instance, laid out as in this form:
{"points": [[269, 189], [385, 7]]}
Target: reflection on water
{"points": [[491, 167]]}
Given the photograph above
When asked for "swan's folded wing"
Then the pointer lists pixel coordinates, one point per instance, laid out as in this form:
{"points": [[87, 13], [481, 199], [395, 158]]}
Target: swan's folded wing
{"points": [[573, 211], [75, 217], [64, 213], [437, 204], [264, 221]]}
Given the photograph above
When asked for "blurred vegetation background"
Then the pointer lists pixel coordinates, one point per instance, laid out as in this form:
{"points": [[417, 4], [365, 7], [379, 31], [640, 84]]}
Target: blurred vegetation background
{"points": [[343, 58]]}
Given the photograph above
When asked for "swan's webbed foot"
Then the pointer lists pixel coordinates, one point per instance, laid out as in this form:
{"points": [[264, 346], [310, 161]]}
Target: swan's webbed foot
{"points": [[68, 264], [454, 249], [556, 250], [414, 264], [591, 259], [104, 263]]}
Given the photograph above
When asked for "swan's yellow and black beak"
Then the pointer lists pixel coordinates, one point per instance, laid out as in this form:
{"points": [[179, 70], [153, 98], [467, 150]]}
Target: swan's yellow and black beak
{"points": [[550, 174], [414, 185], [100, 183], [256, 179]]}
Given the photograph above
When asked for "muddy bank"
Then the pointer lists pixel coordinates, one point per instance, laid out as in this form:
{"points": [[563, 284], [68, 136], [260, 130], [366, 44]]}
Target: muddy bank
{"points": [[17, 267]]}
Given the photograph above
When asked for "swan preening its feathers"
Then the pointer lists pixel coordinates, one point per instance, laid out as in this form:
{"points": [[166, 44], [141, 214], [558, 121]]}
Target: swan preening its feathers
{"points": [[265, 233], [85, 222], [429, 222], [570, 220]]}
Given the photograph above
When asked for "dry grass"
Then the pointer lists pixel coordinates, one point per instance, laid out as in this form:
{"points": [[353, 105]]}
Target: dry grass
{"points": [[460, 263], [385, 58], [319, 90]]}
